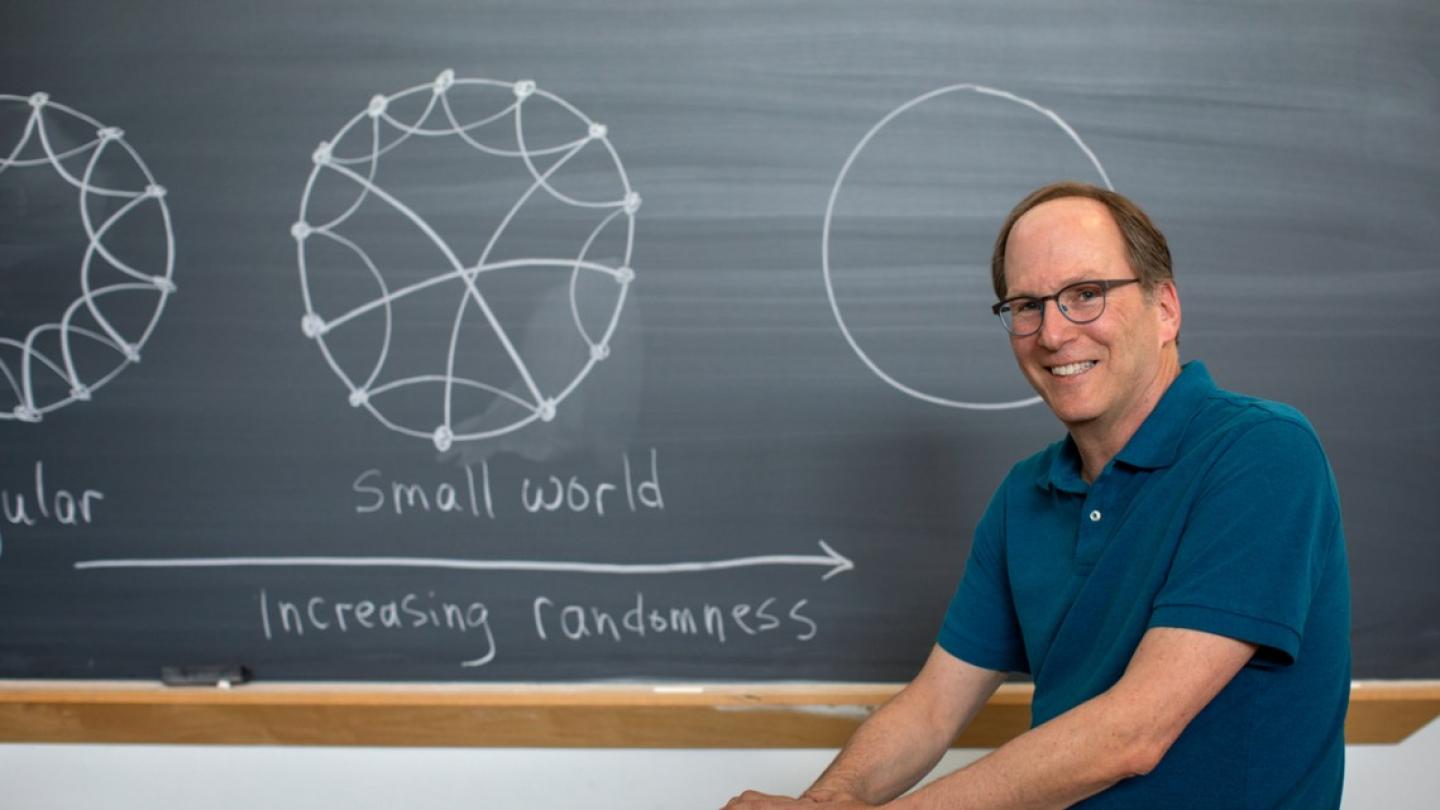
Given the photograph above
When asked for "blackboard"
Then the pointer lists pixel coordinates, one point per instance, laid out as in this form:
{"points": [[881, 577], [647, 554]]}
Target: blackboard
{"points": [[724, 400]]}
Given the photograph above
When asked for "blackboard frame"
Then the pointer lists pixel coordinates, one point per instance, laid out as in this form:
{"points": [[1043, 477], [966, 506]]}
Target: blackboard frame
{"points": [[821, 715]]}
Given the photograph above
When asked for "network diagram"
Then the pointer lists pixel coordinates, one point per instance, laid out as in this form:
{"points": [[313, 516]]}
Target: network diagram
{"points": [[59, 361], [103, 329], [502, 132]]}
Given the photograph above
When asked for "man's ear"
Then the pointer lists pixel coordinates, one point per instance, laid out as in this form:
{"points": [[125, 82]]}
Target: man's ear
{"points": [[1167, 305]]}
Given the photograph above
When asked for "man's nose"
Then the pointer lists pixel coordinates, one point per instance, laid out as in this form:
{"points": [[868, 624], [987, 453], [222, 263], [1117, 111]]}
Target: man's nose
{"points": [[1055, 328]]}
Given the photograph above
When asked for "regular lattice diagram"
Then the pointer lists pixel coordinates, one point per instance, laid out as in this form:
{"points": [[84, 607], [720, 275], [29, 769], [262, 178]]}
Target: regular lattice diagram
{"points": [[448, 341], [87, 260]]}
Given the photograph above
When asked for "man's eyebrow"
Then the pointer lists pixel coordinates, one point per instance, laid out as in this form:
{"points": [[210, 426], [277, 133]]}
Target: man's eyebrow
{"points": [[1076, 279]]}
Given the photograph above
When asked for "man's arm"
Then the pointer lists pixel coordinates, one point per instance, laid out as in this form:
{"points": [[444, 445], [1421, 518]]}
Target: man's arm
{"points": [[1124, 732], [901, 742]]}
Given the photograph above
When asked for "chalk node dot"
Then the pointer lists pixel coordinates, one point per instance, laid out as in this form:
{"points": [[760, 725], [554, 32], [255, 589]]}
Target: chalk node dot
{"points": [[155, 190], [599, 352], [81, 393], [25, 413], [377, 106], [547, 410], [110, 133], [599, 130], [163, 284], [632, 202], [524, 88], [359, 397], [625, 275], [443, 438], [38, 100], [132, 353], [444, 81], [301, 230], [322, 153], [312, 325]]}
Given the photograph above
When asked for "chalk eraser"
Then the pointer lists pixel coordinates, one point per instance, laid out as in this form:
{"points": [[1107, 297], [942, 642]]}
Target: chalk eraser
{"points": [[221, 675]]}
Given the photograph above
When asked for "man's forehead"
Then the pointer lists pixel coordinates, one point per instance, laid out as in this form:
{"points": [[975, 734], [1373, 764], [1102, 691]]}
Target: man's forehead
{"points": [[1065, 240], [1078, 214]]}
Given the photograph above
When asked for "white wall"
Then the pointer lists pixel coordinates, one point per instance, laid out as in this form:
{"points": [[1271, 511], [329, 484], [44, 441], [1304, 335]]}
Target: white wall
{"points": [[145, 777]]}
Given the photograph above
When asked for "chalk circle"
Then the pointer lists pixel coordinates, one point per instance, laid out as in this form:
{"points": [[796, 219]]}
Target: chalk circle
{"points": [[103, 330], [503, 132], [835, 195]]}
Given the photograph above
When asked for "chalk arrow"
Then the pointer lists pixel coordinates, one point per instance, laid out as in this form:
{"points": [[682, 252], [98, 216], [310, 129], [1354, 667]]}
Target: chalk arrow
{"points": [[832, 559]]}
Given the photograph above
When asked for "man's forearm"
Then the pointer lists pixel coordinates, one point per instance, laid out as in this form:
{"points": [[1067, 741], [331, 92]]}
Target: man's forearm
{"points": [[887, 755], [1122, 733], [899, 744], [1055, 765]]}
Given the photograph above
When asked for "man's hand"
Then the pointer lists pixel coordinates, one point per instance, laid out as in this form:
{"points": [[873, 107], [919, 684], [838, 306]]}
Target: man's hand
{"points": [[755, 800], [812, 800]]}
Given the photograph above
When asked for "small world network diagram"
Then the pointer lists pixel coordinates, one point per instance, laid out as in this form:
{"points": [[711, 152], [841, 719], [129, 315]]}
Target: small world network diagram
{"points": [[88, 257], [443, 340]]}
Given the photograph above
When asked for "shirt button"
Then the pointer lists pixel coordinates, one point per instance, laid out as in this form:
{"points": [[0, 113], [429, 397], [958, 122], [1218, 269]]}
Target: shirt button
{"points": [[1095, 516]]}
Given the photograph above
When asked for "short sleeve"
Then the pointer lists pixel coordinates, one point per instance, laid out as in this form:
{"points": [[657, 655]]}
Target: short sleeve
{"points": [[1255, 544], [981, 627]]}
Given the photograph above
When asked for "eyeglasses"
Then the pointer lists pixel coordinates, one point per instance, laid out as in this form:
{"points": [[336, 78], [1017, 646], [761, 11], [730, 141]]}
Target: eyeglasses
{"points": [[1081, 302]]}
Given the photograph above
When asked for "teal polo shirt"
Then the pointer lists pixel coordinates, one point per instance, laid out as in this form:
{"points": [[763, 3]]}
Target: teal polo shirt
{"points": [[1220, 515]]}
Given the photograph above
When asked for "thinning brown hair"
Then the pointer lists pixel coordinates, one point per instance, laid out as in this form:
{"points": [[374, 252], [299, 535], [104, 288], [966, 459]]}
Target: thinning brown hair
{"points": [[1145, 245]]}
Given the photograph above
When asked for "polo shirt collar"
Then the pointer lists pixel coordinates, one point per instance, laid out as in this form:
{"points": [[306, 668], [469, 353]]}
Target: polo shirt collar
{"points": [[1063, 472], [1154, 445]]}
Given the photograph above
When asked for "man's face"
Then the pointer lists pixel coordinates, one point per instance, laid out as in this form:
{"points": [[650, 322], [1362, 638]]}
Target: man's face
{"points": [[1108, 372]]}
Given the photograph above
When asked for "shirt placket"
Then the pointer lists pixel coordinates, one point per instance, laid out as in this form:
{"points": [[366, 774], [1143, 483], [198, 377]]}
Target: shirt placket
{"points": [[1094, 524]]}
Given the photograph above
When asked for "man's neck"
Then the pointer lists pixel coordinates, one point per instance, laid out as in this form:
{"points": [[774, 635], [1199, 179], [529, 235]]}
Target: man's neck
{"points": [[1100, 441]]}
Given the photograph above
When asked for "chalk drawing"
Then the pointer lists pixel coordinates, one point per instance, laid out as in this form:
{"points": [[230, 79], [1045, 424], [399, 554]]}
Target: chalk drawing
{"points": [[835, 195], [831, 559], [437, 120], [66, 360]]}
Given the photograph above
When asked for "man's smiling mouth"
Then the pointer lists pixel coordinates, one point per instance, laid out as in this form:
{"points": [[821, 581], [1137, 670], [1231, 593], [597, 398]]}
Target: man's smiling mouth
{"points": [[1071, 369]]}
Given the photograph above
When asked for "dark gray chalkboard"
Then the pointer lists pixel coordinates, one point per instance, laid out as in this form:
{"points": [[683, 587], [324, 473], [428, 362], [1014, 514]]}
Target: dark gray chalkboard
{"points": [[712, 406]]}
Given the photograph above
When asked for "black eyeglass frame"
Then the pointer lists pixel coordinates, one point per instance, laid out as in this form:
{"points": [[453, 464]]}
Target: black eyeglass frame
{"points": [[1105, 284]]}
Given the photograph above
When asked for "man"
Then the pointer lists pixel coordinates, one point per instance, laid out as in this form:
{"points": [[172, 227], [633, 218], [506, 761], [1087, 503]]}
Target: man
{"points": [[1172, 574]]}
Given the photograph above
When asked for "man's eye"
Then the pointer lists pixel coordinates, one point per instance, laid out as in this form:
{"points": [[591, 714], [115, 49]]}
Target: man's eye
{"points": [[1026, 305], [1086, 294]]}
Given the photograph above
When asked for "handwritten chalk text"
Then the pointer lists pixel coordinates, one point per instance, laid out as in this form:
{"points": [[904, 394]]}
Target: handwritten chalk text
{"points": [[638, 620], [322, 615], [38, 505], [474, 493]]}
